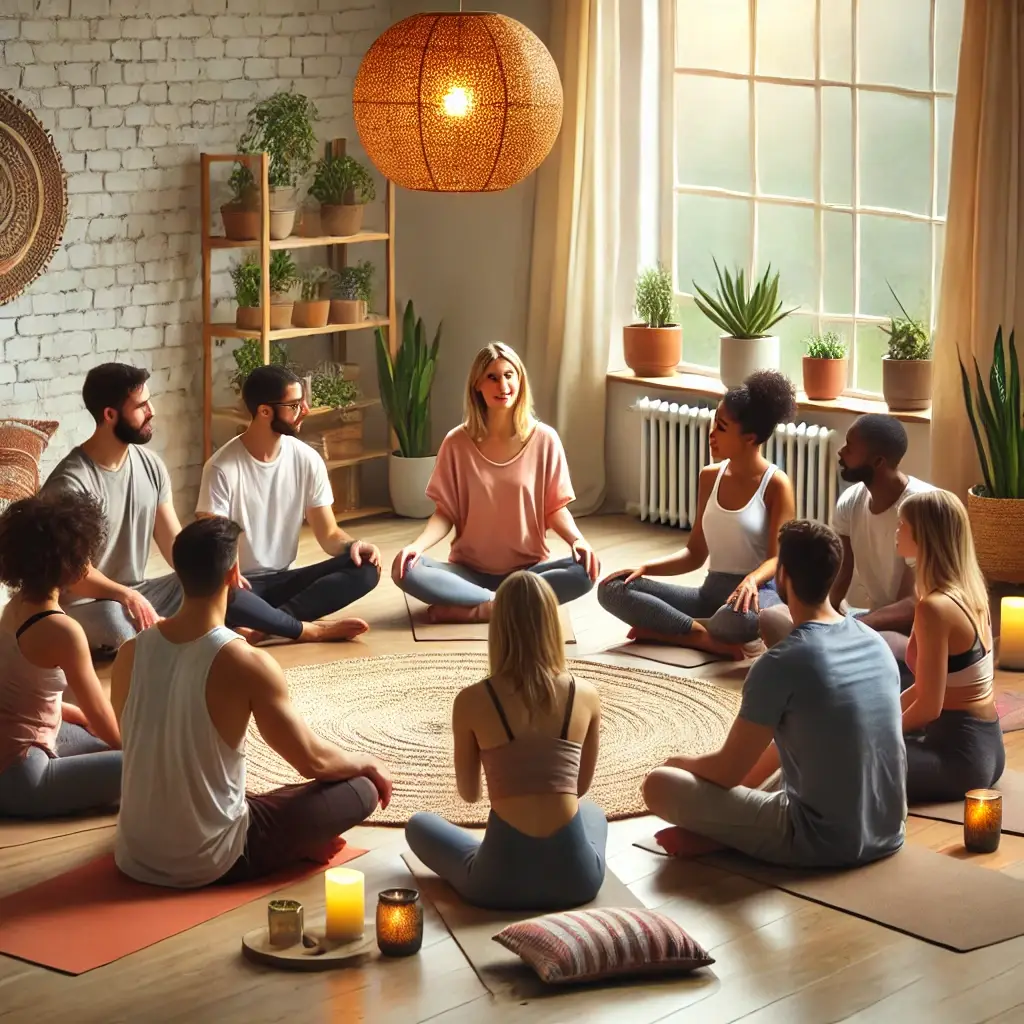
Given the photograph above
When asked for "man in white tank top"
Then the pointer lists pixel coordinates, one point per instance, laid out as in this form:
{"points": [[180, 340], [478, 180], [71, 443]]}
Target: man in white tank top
{"points": [[183, 692]]}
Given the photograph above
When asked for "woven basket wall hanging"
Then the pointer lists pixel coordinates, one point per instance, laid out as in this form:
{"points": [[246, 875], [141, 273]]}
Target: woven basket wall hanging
{"points": [[33, 198]]}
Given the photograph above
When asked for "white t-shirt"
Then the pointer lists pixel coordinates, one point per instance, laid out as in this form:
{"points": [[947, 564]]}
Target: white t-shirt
{"points": [[267, 499], [877, 569]]}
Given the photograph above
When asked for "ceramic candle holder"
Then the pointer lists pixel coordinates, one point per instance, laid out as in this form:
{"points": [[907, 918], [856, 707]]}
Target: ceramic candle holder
{"points": [[399, 922]]}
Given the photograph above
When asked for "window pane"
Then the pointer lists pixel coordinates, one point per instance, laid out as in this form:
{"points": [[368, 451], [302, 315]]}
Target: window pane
{"points": [[895, 152], [837, 40], [949, 20], [838, 262], [871, 346], [713, 36], [785, 239], [898, 252], [700, 336], [893, 43], [713, 132], [793, 333], [837, 145], [940, 242], [786, 132], [709, 227], [785, 38], [943, 151]]}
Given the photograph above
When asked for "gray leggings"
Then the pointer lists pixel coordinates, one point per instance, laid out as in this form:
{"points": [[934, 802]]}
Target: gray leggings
{"points": [[671, 609], [508, 870], [955, 753], [436, 582], [85, 774]]}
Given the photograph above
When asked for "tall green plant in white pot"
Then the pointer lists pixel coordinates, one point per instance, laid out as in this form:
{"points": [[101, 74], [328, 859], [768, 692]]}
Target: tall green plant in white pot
{"points": [[405, 384], [745, 316]]}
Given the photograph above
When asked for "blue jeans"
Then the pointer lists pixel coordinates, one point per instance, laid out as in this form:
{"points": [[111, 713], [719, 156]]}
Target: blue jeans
{"points": [[85, 774]]}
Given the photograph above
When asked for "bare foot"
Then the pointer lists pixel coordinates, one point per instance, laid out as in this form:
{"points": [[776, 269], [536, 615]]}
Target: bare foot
{"points": [[696, 639], [678, 842], [252, 636], [326, 630], [442, 613]]}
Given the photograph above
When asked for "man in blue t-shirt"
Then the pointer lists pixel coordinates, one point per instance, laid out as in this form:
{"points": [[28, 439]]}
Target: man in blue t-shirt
{"points": [[824, 705]]}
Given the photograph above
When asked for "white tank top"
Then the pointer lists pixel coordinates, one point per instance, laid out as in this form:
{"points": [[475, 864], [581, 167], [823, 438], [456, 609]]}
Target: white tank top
{"points": [[183, 815], [737, 539]]}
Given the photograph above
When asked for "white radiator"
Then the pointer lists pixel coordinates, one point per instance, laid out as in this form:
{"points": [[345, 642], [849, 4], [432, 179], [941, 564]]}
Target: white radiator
{"points": [[674, 449]]}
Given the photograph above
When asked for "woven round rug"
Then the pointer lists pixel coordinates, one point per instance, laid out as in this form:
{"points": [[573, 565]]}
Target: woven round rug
{"points": [[399, 709], [33, 198]]}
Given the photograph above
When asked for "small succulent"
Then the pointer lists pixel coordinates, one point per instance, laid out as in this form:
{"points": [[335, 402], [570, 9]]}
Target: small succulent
{"points": [[354, 282], [908, 338], [655, 301], [826, 346], [311, 278]]}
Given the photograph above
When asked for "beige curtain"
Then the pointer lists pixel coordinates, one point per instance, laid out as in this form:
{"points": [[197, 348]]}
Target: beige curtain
{"points": [[983, 264], [576, 242]]}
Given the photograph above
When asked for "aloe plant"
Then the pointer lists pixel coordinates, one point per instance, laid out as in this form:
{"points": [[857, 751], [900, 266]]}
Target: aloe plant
{"points": [[741, 313], [1002, 453], [405, 384]]}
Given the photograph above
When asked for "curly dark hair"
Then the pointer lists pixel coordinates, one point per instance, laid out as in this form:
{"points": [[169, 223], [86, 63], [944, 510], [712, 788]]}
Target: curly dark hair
{"points": [[48, 541], [763, 401]]}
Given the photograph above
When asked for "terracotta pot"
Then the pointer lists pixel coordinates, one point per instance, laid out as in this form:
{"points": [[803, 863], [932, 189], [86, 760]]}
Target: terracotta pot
{"points": [[997, 525], [249, 318], [652, 351], [341, 220], [347, 311], [241, 223], [281, 315], [824, 379], [906, 384], [738, 358], [281, 223], [311, 314]]}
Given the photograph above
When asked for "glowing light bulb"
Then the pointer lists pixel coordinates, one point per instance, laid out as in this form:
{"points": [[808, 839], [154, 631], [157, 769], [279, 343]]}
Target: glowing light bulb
{"points": [[457, 102]]}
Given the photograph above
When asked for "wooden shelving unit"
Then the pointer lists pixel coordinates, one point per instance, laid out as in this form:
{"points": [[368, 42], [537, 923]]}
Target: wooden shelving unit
{"points": [[344, 472]]}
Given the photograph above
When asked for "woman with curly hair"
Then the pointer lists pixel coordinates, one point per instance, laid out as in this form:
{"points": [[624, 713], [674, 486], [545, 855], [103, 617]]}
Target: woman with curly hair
{"points": [[742, 500], [55, 758]]}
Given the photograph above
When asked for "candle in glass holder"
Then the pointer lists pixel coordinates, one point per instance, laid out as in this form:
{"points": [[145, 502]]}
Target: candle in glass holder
{"points": [[399, 922], [983, 820], [1011, 633], [284, 922], [343, 890]]}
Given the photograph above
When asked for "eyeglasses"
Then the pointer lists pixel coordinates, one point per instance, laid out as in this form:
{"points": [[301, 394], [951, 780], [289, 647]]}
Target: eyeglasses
{"points": [[294, 406]]}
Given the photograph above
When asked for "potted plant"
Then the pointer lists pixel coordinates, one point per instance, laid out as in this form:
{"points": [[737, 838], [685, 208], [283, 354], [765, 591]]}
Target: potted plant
{"points": [[825, 367], [241, 215], [246, 278], [746, 317], [344, 187], [249, 355], [351, 289], [995, 507], [653, 347], [338, 435], [907, 366], [311, 310], [405, 394], [282, 126]]}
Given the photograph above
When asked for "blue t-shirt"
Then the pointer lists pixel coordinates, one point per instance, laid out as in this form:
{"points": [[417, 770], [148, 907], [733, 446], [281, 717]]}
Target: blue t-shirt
{"points": [[831, 692]]}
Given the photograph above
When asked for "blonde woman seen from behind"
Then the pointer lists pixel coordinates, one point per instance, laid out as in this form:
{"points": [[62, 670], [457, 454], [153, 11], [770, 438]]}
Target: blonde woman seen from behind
{"points": [[532, 729], [954, 739]]}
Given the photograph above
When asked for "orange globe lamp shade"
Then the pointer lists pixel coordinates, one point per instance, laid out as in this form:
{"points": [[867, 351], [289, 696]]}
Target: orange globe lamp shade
{"points": [[457, 102]]}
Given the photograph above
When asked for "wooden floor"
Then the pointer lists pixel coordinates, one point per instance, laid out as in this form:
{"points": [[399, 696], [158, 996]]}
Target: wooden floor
{"points": [[779, 958]]}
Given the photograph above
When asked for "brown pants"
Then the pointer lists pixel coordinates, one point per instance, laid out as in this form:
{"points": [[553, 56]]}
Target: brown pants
{"points": [[298, 823]]}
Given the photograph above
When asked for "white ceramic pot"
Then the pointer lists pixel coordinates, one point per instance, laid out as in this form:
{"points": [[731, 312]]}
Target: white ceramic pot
{"points": [[738, 358], [407, 483]]}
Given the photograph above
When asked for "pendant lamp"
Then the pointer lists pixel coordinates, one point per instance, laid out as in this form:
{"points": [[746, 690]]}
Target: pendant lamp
{"points": [[467, 102]]}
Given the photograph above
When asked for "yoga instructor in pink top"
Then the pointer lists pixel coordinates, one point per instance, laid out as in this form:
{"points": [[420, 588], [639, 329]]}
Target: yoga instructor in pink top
{"points": [[502, 481]]}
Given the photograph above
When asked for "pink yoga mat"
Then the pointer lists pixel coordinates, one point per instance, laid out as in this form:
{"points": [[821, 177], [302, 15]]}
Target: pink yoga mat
{"points": [[93, 915]]}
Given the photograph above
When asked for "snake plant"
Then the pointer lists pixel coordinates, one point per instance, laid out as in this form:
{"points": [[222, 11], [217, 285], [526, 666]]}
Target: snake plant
{"points": [[741, 313]]}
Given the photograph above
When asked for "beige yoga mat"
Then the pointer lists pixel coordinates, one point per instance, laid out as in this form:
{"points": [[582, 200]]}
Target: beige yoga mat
{"points": [[424, 630], [666, 654], [15, 832], [1011, 785], [499, 969]]}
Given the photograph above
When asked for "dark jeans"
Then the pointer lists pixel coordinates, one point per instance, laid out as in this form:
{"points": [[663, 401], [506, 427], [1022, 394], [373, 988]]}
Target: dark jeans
{"points": [[955, 753], [296, 823], [280, 602]]}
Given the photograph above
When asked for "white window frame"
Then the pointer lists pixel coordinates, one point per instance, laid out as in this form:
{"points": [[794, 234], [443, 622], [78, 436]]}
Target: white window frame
{"points": [[756, 197]]}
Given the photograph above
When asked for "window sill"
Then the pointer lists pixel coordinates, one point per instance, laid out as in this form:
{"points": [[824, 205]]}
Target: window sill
{"points": [[712, 387]]}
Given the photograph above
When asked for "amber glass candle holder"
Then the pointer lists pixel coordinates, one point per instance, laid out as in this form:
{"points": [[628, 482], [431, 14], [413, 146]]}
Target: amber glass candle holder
{"points": [[399, 922], [983, 820]]}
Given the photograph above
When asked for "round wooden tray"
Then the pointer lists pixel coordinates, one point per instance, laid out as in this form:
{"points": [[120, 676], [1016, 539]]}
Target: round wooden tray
{"points": [[315, 953]]}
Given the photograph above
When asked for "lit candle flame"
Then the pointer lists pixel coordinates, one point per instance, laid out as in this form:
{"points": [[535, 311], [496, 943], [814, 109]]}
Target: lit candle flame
{"points": [[457, 102]]}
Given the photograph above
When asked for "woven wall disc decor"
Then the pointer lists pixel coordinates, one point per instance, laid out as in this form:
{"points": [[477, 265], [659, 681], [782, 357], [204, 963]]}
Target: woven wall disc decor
{"points": [[399, 708], [33, 198]]}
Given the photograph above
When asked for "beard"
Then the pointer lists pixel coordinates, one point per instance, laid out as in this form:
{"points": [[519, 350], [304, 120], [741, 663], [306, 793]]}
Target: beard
{"points": [[856, 474], [131, 435], [279, 426]]}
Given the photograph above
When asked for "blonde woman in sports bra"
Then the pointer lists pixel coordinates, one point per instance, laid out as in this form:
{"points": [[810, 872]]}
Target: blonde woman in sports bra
{"points": [[954, 739], [532, 730]]}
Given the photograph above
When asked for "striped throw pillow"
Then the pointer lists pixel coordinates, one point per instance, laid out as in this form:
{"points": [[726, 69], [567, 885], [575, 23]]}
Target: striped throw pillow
{"points": [[587, 945]]}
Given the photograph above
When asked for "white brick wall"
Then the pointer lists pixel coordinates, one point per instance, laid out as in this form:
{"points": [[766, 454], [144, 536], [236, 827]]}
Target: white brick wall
{"points": [[132, 91]]}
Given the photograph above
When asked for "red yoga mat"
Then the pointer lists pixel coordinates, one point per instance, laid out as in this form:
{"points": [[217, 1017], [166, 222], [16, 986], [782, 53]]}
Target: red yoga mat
{"points": [[93, 915]]}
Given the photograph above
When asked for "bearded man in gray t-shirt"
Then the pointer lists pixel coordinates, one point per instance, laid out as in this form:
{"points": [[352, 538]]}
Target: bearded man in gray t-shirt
{"points": [[114, 600]]}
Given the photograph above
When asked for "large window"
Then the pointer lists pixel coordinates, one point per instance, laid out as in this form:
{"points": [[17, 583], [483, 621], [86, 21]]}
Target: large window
{"points": [[814, 135]]}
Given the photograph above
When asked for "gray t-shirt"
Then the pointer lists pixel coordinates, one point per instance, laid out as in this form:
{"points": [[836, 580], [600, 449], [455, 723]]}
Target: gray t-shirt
{"points": [[831, 692], [129, 496]]}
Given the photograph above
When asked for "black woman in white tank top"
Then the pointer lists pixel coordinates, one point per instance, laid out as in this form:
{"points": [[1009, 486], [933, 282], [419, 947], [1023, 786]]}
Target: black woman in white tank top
{"points": [[742, 500]]}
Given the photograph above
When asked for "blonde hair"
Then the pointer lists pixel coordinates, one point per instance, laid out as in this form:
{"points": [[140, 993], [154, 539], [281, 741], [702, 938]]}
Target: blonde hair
{"points": [[524, 641], [946, 562], [474, 417]]}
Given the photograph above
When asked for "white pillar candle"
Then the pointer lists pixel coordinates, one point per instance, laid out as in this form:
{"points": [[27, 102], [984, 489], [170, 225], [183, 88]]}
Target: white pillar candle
{"points": [[343, 891], [1011, 633]]}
